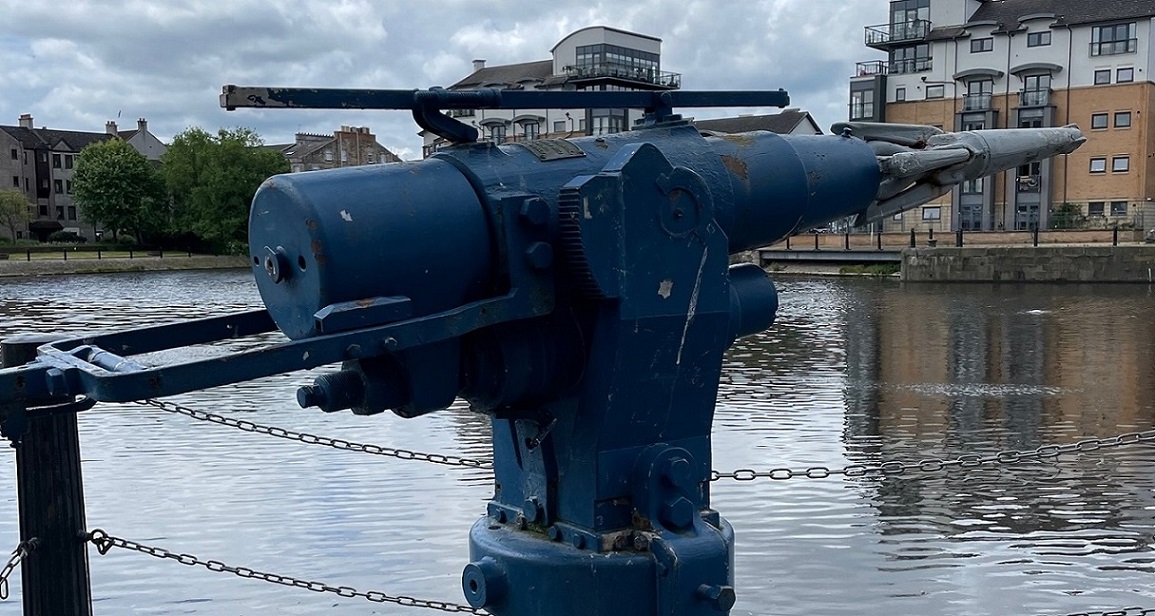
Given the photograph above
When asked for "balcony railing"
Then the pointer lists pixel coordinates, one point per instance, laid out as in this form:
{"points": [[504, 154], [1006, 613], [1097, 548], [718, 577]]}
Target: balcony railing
{"points": [[885, 35], [1111, 48], [663, 79], [870, 69], [976, 102], [914, 65], [461, 113], [1034, 98]]}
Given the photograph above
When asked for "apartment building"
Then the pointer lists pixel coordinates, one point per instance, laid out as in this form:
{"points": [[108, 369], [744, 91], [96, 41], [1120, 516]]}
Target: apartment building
{"points": [[980, 64], [593, 58], [347, 147], [40, 162]]}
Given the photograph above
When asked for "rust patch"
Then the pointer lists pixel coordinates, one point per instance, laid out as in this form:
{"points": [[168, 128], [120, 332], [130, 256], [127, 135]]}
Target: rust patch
{"points": [[741, 140], [364, 303], [311, 224], [318, 253], [736, 165]]}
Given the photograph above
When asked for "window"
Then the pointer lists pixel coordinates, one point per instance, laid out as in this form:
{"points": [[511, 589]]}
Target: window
{"points": [[1095, 208], [1112, 40], [1098, 120], [1121, 164], [72, 212], [44, 157], [900, 94], [1102, 77], [328, 155], [56, 161], [68, 159], [862, 104], [897, 216], [44, 210], [15, 154], [979, 95], [559, 126], [60, 212], [68, 186], [932, 213], [57, 186], [935, 91], [15, 181], [1098, 165], [1125, 75], [911, 59], [973, 187], [1118, 208], [1122, 119], [532, 130], [981, 45], [582, 125], [1039, 39], [497, 133]]}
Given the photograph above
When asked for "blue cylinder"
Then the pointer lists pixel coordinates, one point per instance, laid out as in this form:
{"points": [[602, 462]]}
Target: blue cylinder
{"points": [[415, 230]]}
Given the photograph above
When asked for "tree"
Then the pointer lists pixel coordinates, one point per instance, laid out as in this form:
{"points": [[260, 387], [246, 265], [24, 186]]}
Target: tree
{"points": [[212, 180], [14, 210], [117, 187]]}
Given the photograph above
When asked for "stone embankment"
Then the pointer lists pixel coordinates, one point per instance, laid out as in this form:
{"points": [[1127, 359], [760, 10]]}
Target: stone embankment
{"points": [[51, 267], [1133, 263]]}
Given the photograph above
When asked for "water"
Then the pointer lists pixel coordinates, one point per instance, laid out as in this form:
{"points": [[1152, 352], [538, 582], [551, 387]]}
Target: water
{"points": [[856, 371]]}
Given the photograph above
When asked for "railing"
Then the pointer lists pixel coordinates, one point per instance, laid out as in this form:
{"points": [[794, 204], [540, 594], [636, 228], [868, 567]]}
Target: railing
{"points": [[888, 34], [1111, 48], [461, 113], [870, 69], [913, 65], [976, 102], [1034, 98], [665, 79]]}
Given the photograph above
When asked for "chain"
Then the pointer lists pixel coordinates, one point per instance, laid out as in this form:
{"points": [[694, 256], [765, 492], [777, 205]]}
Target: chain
{"points": [[104, 542], [935, 465], [20, 553], [313, 439]]}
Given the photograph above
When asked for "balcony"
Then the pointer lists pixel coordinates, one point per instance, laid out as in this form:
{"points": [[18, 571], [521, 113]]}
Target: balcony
{"points": [[913, 65], [886, 36], [871, 69], [661, 79], [977, 102], [1034, 98], [1111, 48], [461, 113]]}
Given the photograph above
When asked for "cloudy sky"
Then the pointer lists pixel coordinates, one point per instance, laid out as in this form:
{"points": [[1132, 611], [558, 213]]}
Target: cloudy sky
{"points": [[76, 64]]}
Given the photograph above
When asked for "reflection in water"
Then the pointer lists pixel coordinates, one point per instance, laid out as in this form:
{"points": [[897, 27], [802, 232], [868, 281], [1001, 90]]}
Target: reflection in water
{"points": [[855, 371]]}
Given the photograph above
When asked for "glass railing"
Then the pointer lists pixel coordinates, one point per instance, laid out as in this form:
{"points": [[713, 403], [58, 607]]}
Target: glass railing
{"points": [[914, 65], [870, 69], [1034, 98], [886, 34], [664, 79], [976, 102]]}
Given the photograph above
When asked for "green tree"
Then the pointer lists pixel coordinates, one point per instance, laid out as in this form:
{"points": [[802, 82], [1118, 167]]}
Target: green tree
{"points": [[14, 210], [115, 186], [212, 180]]}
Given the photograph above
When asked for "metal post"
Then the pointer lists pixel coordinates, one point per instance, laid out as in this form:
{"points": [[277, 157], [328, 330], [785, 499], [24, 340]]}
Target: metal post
{"points": [[1115, 236], [958, 240], [65, 252], [787, 243], [51, 503], [97, 254], [1035, 235], [816, 241], [129, 253], [846, 241], [912, 239], [930, 237], [878, 240], [28, 254]]}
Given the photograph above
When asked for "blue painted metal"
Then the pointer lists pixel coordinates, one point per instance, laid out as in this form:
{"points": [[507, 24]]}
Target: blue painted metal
{"points": [[579, 293]]}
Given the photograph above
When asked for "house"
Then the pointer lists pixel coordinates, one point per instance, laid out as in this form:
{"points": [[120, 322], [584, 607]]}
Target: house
{"points": [[40, 163], [974, 64], [347, 147], [791, 121], [593, 58]]}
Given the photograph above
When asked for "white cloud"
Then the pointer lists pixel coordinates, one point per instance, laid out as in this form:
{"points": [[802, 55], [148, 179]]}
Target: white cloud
{"points": [[166, 61]]}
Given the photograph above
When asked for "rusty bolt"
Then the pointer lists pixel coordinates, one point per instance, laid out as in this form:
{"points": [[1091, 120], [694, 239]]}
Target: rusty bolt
{"points": [[539, 255], [535, 211], [519, 521], [641, 542], [721, 598], [678, 513], [620, 542]]}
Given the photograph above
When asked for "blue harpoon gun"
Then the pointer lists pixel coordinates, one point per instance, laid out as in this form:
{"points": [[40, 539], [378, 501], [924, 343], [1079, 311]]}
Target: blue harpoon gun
{"points": [[579, 292]]}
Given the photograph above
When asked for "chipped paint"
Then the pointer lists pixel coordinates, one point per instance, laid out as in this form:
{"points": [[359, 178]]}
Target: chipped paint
{"points": [[586, 209], [693, 307], [737, 166], [665, 288], [346, 216]]}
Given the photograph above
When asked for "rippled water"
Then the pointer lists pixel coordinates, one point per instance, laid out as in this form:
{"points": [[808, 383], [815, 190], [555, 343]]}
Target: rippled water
{"points": [[855, 371]]}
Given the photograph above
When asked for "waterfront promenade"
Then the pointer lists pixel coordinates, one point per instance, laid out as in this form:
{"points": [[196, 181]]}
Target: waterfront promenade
{"points": [[178, 261]]}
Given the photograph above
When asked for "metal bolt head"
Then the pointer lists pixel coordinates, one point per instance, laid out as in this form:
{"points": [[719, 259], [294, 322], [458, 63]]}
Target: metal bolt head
{"points": [[641, 542], [678, 513], [531, 510], [680, 473], [539, 255], [722, 598], [309, 395], [554, 533], [535, 211]]}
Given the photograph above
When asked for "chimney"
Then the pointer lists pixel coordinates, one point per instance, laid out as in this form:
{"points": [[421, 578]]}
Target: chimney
{"points": [[142, 125], [110, 127], [26, 120], [478, 65]]}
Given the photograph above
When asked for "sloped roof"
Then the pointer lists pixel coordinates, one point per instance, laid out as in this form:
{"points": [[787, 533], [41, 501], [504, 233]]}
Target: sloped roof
{"points": [[33, 138], [781, 123], [507, 74], [1068, 12]]}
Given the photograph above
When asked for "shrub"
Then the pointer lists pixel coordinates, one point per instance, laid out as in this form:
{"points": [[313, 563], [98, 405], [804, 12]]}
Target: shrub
{"points": [[66, 237]]}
